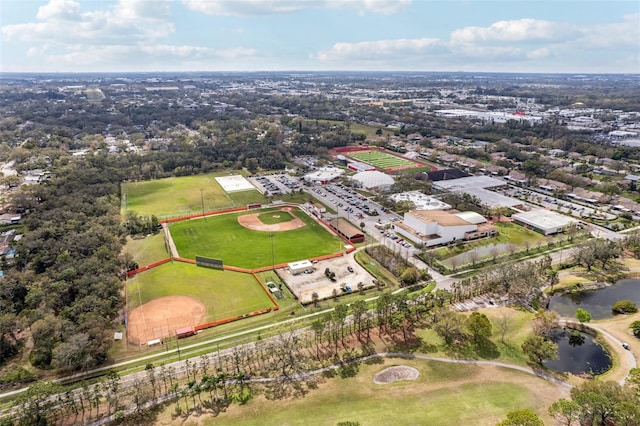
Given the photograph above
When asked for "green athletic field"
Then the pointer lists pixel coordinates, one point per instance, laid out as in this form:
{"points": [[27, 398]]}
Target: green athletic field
{"points": [[382, 160], [181, 196], [225, 294], [222, 237]]}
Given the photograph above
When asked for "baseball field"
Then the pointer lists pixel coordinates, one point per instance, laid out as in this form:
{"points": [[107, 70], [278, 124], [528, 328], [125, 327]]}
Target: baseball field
{"points": [[254, 239], [178, 294]]}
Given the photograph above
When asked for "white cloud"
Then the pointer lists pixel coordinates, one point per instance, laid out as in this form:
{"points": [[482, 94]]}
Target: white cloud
{"points": [[63, 21], [275, 7], [527, 44], [516, 30], [63, 10]]}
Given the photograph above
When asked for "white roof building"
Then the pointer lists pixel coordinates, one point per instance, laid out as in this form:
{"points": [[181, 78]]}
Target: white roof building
{"points": [[373, 180], [420, 200], [324, 175], [544, 221]]}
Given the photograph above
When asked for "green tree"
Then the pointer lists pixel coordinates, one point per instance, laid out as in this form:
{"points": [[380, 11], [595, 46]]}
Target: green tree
{"points": [[479, 326], [624, 307], [523, 417], [583, 315], [635, 328], [565, 411], [539, 349], [597, 401]]}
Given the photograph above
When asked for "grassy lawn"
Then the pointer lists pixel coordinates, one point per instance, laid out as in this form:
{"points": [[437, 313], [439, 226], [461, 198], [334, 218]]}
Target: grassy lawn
{"points": [[224, 293], [508, 233], [223, 238], [147, 250], [183, 195], [518, 328], [443, 394]]}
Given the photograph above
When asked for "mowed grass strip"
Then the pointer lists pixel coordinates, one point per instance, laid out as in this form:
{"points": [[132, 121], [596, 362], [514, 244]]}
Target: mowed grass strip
{"points": [[272, 218], [222, 237], [225, 294], [178, 196], [444, 394]]}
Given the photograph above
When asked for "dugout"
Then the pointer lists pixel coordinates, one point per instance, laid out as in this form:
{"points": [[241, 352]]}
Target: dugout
{"points": [[347, 230], [300, 267], [185, 332]]}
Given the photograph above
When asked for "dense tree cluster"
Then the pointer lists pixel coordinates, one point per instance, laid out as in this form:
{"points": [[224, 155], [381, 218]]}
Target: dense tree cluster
{"points": [[65, 286]]}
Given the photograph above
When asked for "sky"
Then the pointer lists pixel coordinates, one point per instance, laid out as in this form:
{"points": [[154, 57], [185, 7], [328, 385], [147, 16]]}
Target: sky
{"points": [[555, 36]]}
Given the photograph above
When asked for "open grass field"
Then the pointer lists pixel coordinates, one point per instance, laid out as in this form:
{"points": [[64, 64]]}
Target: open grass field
{"points": [[147, 250], [443, 394], [223, 238], [224, 293], [179, 196], [382, 160]]}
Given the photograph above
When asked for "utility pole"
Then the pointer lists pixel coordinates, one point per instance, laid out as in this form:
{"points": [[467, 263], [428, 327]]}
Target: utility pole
{"points": [[273, 257], [202, 201]]}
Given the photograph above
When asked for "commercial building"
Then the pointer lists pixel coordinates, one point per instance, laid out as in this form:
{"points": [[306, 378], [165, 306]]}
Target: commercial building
{"points": [[420, 200], [544, 221], [436, 227]]}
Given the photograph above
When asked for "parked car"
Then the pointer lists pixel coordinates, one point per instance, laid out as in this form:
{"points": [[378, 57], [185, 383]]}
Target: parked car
{"points": [[350, 269]]}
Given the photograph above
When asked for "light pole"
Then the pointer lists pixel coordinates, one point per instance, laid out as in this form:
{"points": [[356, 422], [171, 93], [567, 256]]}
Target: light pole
{"points": [[202, 201], [273, 258]]}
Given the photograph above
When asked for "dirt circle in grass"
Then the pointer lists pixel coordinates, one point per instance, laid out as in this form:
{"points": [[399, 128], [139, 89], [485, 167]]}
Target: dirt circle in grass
{"points": [[161, 317], [395, 373]]}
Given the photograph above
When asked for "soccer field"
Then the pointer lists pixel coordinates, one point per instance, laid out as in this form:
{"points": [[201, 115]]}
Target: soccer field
{"points": [[224, 294], [181, 196], [383, 160], [222, 237]]}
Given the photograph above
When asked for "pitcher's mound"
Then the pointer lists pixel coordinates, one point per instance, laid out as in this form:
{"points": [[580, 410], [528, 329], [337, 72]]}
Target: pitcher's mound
{"points": [[162, 316], [393, 374]]}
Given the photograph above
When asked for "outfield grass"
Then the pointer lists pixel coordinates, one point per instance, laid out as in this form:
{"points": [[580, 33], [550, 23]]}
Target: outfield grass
{"points": [[443, 394], [382, 160], [147, 250], [221, 237], [184, 195], [224, 293]]}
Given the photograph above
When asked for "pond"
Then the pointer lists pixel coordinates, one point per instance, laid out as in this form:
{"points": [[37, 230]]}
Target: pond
{"points": [[596, 302], [578, 353]]}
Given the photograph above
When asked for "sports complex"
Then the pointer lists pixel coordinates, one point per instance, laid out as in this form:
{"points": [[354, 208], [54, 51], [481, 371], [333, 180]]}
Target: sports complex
{"points": [[382, 159], [210, 275]]}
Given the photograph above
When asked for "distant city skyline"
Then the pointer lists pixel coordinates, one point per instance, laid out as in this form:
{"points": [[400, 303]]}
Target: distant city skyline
{"points": [[561, 36]]}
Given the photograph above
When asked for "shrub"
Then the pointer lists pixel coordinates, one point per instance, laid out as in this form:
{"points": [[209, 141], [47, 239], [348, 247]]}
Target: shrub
{"points": [[635, 327], [624, 307]]}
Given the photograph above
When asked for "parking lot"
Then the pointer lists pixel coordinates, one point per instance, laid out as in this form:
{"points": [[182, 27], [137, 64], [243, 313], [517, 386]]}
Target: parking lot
{"points": [[304, 285], [275, 184]]}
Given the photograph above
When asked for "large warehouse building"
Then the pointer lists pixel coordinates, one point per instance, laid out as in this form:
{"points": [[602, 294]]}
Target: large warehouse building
{"points": [[544, 221], [436, 227]]}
